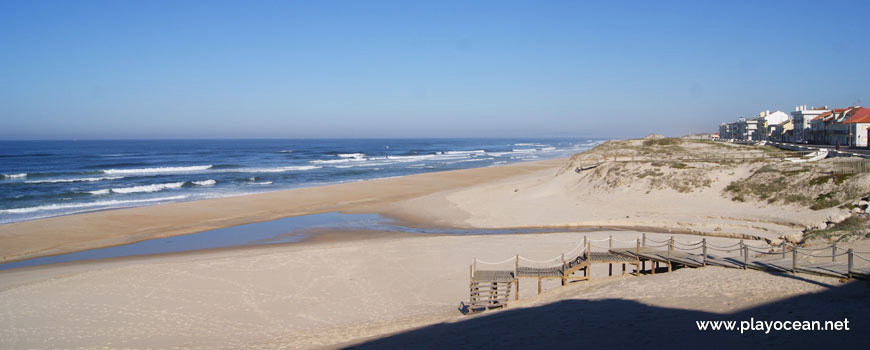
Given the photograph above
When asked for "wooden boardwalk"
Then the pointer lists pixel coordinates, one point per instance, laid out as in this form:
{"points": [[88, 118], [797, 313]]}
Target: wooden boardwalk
{"points": [[772, 262], [492, 287]]}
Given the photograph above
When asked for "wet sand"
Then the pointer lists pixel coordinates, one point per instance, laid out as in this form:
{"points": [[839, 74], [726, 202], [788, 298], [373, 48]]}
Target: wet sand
{"points": [[70, 233]]}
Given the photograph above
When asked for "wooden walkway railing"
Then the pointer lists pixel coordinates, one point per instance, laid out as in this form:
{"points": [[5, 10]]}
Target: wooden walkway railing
{"points": [[491, 282]]}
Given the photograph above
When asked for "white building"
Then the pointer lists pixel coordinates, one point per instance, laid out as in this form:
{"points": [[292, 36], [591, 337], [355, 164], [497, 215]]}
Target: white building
{"points": [[801, 118], [747, 129], [847, 127], [859, 127], [753, 129], [726, 131], [783, 132], [775, 118]]}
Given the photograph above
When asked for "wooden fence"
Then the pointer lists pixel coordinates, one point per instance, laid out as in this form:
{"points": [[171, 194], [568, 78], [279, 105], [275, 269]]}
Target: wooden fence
{"points": [[850, 166]]}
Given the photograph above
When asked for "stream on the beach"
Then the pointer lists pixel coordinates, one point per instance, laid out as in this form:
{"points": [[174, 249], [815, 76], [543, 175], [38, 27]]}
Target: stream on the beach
{"points": [[286, 230]]}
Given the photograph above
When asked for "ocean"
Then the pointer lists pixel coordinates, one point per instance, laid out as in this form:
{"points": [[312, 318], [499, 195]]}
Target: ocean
{"points": [[40, 179]]}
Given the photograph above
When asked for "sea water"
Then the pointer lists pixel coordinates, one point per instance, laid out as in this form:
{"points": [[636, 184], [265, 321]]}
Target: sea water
{"points": [[40, 179]]}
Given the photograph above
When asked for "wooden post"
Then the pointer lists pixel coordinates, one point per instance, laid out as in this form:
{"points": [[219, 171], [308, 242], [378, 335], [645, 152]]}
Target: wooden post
{"points": [[834, 252], [588, 272], [670, 248], [623, 269], [539, 286], [637, 256], [849, 274], [741, 247], [745, 256], [643, 266], [516, 277], [704, 252], [493, 293], [610, 265], [794, 260]]}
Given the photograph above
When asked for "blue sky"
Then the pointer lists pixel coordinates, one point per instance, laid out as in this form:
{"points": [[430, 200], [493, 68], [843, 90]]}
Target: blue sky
{"points": [[215, 69]]}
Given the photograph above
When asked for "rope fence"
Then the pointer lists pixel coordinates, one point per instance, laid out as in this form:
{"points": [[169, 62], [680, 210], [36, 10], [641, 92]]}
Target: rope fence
{"points": [[581, 252]]}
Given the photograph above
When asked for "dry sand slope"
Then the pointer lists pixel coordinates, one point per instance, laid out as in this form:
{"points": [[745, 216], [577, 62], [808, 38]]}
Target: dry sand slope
{"points": [[678, 195]]}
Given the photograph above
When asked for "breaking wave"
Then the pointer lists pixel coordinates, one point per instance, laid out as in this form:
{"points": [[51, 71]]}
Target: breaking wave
{"points": [[80, 179], [148, 188], [351, 155], [181, 169], [275, 170], [86, 205]]}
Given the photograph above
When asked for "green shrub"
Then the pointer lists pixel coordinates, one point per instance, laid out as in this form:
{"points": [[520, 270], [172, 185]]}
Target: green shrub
{"points": [[669, 141]]}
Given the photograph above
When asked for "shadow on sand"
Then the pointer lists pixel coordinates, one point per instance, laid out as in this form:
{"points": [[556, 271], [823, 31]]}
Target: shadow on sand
{"points": [[617, 322]]}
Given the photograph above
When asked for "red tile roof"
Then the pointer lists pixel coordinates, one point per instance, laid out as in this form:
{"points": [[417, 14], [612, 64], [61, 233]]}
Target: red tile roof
{"points": [[823, 115], [859, 115]]}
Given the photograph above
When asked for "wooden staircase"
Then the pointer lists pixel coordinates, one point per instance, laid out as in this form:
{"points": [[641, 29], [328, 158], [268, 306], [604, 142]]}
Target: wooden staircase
{"points": [[490, 289]]}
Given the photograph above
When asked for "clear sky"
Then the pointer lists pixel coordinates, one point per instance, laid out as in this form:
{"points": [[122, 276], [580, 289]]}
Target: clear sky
{"points": [[215, 69]]}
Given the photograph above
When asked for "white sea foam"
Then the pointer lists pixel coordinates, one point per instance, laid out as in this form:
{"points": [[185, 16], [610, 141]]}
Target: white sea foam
{"points": [[498, 154], [148, 188], [86, 205], [204, 183], [100, 192], [352, 155], [274, 170], [286, 151], [411, 158], [180, 169], [468, 160], [262, 183], [337, 161], [79, 179], [15, 176], [532, 150], [479, 151], [530, 144]]}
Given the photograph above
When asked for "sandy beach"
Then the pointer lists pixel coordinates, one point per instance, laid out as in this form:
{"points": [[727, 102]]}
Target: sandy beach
{"points": [[327, 293], [384, 289]]}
